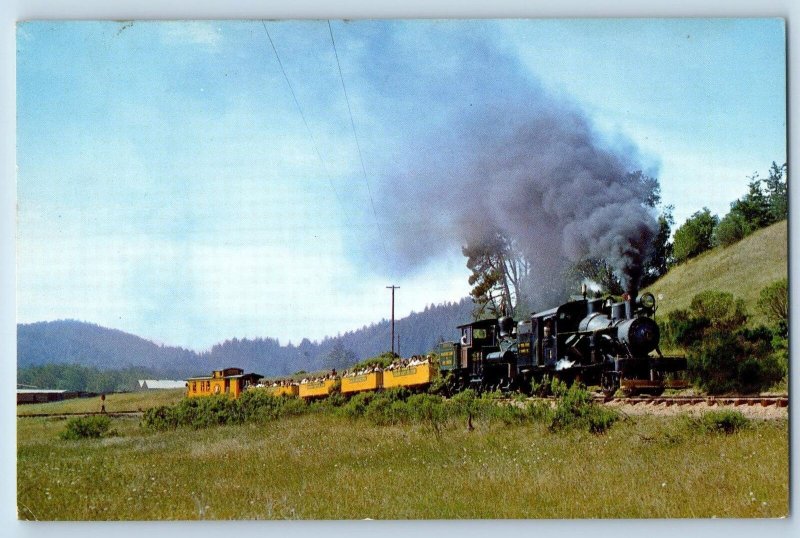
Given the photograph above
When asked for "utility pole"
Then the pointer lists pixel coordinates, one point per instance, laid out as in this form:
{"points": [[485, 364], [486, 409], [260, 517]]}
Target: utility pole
{"points": [[392, 287]]}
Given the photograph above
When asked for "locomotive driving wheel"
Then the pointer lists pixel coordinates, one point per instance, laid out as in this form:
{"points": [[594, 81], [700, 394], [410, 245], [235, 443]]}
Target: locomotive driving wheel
{"points": [[610, 382]]}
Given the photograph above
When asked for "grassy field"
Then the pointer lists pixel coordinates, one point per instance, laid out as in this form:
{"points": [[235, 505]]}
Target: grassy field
{"points": [[742, 269], [321, 466], [129, 401]]}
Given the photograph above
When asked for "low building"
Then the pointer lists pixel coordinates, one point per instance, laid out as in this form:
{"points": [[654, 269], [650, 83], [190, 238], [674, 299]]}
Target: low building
{"points": [[161, 384], [232, 381], [26, 396]]}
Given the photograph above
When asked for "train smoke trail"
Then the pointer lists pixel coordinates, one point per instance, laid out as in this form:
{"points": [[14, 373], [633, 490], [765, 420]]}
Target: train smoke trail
{"points": [[477, 146]]}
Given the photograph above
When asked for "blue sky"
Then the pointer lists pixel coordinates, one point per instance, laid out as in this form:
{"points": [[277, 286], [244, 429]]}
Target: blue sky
{"points": [[168, 185]]}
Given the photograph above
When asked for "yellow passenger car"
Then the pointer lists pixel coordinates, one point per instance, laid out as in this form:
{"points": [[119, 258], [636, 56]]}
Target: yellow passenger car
{"points": [[410, 376], [285, 390], [316, 389], [230, 381], [372, 381]]}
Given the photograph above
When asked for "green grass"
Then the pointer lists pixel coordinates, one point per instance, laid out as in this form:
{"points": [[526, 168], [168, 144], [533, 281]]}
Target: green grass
{"points": [[322, 466], [130, 401], [742, 269]]}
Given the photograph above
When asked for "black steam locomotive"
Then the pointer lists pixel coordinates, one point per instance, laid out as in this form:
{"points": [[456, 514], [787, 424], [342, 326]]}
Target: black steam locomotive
{"points": [[612, 344]]}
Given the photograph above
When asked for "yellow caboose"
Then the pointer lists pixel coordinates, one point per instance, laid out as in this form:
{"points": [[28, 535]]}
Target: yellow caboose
{"points": [[230, 381]]}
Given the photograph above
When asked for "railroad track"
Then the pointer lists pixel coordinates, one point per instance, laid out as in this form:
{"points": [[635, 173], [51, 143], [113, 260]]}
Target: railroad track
{"points": [[727, 401], [781, 400], [82, 414], [666, 401]]}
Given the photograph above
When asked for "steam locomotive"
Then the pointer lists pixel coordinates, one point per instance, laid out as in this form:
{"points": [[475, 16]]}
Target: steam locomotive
{"points": [[597, 341]]}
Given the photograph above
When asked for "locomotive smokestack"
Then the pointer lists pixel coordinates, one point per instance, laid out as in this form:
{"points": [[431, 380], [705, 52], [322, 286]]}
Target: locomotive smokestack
{"points": [[630, 299]]}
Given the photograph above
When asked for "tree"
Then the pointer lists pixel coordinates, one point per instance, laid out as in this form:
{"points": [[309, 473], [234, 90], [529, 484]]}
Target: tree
{"points": [[758, 208], [661, 258], [497, 273], [731, 229], [754, 206], [695, 235], [599, 273], [340, 357], [777, 192]]}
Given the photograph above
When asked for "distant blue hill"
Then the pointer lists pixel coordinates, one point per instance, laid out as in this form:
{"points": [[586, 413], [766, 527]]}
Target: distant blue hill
{"points": [[90, 345]]}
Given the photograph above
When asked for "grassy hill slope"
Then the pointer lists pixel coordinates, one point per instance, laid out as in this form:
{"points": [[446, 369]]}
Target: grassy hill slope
{"points": [[742, 269]]}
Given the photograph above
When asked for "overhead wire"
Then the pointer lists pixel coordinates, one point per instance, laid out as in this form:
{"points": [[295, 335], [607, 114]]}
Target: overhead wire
{"points": [[305, 122], [358, 144]]}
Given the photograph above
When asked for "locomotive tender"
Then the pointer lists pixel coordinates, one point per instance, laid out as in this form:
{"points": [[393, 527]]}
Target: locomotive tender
{"points": [[594, 341]]}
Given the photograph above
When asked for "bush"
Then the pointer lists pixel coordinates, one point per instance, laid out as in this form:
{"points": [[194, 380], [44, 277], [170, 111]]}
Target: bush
{"points": [[722, 354], [720, 309], [712, 364], [160, 418], [356, 407], [774, 303], [465, 403], [427, 409], [576, 410], [725, 421], [252, 406], [91, 427], [681, 329]]}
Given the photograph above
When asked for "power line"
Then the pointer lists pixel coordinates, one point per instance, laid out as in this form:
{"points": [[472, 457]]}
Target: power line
{"points": [[308, 129], [358, 145]]}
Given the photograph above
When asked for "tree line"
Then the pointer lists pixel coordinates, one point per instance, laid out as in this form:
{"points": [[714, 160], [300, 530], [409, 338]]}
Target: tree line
{"points": [[78, 356], [765, 203]]}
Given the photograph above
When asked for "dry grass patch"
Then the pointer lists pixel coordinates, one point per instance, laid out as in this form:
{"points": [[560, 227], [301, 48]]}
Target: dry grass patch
{"points": [[128, 401], [742, 269]]}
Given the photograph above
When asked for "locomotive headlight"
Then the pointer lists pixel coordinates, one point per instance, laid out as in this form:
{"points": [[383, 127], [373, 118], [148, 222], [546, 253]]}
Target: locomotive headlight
{"points": [[648, 300]]}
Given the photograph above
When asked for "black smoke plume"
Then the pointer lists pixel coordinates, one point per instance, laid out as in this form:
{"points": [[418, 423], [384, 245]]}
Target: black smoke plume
{"points": [[476, 145]]}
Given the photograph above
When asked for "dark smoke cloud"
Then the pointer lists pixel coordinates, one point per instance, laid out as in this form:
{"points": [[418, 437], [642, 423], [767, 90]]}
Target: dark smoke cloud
{"points": [[475, 145]]}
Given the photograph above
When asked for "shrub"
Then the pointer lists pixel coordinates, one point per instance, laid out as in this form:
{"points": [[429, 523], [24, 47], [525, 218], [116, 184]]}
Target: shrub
{"points": [[712, 364], [386, 410], [427, 409], [722, 310], [465, 403], [510, 413], [160, 418], [91, 427], [774, 303], [722, 354], [539, 410], [682, 329], [356, 407], [725, 421], [252, 406], [335, 399], [576, 410], [600, 419]]}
